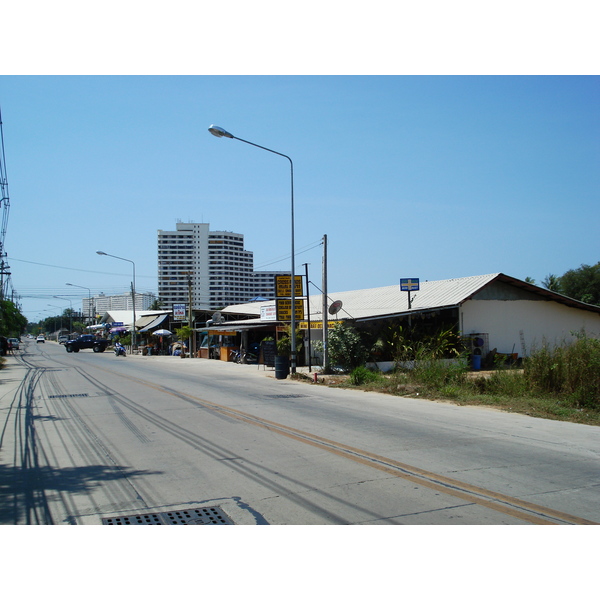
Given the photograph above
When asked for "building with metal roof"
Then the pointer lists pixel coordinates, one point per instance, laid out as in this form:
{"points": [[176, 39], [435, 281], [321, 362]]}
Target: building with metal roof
{"points": [[510, 315]]}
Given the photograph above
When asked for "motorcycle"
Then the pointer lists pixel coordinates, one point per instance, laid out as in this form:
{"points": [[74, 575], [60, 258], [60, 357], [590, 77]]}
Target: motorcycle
{"points": [[243, 357], [120, 350]]}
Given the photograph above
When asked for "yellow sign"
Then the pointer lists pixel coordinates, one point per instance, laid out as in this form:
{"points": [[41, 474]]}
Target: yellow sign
{"points": [[283, 288], [317, 324], [284, 309]]}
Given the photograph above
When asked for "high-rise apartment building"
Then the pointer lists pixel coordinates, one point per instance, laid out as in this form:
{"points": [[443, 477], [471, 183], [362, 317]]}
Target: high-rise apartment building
{"points": [[213, 265], [102, 303]]}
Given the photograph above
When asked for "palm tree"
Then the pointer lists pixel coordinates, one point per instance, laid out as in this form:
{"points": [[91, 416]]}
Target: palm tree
{"points": [[552, 283]]}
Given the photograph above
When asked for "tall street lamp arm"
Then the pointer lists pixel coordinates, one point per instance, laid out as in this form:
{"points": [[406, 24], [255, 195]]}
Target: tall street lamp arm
{"points": [[89, 299], [133, 337], [220, 132]]}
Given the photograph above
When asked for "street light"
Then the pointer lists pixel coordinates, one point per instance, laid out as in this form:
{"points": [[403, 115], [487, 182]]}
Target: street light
{"points": [[54, 306], [89, 298], [220, 132], [132, 291], [70, 315]]}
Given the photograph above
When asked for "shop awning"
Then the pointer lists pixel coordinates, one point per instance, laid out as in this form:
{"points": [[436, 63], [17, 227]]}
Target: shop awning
{"points": [[154, 323], [240, 326]]}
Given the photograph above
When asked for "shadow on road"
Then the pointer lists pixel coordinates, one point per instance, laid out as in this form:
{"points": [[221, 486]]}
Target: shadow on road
{"points": [[24, 492]]}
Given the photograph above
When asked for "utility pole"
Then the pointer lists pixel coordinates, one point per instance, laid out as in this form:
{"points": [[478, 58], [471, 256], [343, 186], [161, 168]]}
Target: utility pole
{"points": [[308, 316], [192, 337], [133, 338], [324, 292], [4, 209]]}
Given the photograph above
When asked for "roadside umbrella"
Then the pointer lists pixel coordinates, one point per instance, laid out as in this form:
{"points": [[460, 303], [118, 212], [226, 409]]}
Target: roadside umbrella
{"points": [[162, 332]]}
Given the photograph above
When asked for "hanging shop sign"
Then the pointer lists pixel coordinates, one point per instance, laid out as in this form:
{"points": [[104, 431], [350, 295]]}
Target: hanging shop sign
{"points": [[283, 287], [284, 309], [409, 285], [317, 324], [268, 313], [179, 312]]}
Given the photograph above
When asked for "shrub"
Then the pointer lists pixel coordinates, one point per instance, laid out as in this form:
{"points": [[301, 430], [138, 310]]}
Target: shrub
{"points": [[346, 348], [571, 370], [361, 375], [504, 382], [435, 374], [284, 343]]}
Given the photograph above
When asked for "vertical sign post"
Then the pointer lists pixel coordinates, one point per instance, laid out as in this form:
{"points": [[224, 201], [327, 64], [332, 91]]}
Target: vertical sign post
{"points": [[409, 285]]}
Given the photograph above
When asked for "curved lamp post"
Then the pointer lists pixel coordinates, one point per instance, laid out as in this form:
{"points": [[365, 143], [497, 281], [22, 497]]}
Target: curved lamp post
{"points": [[70, 315], [54, 306], [133, 340], [220, 132], [89, 299]]}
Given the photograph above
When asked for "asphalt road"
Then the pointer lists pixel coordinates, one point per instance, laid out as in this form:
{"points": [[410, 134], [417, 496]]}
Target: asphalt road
{"points": [[91, 438]]}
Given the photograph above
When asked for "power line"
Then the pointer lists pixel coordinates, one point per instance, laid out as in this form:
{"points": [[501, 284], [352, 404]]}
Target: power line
{"points": [[302, 250], [80, 270]]}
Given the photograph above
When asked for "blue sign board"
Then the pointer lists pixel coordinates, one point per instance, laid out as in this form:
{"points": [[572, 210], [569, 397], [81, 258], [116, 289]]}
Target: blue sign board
{"points": [[409, 285]]}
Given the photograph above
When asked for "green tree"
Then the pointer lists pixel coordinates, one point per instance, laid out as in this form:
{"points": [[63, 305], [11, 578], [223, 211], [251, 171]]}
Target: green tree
{"points": [[552, 283], [155, 305], [185, 334], [12, 322], [284, 343], [79, 326], [582, 284], [346, 348]]}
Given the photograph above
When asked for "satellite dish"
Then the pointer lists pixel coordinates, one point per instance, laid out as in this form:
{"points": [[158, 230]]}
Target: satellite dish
{"points": [[335, 307], [217, 318]]}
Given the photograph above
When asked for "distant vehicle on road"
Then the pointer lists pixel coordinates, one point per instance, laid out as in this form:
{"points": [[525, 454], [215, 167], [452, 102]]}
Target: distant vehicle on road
{"points": [[40, 338], [86, 341], [15, 343], [62, 339]]}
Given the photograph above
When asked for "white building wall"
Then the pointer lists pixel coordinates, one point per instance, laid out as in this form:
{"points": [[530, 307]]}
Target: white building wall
{"points": [[540, 321]]}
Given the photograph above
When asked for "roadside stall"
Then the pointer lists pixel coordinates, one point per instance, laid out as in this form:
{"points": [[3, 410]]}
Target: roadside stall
{"points": [[245, 336], [218, 344]]}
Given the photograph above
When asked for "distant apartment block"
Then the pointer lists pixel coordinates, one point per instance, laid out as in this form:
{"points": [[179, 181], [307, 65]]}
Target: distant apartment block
{"points": [[102, 303], [212, 266]]}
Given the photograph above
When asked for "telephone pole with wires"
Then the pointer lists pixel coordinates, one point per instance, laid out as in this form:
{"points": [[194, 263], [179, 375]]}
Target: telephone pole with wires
{"points": [[4, 208]]}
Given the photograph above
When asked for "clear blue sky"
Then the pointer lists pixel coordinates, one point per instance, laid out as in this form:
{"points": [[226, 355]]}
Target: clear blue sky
{"points": [[417, 147], [432, 177]]}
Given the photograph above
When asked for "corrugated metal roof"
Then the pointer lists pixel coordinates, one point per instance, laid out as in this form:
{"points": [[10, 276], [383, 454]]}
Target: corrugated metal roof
{"points": [[389, 300], [373, 302]]}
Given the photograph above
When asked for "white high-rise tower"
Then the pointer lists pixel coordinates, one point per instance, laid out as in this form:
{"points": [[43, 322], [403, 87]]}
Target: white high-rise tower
{"points": [[221, 272]]}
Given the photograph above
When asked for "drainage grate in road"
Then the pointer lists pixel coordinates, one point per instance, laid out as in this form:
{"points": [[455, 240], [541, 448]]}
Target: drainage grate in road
{"points": [[69, 396], [207, 515], [283, 396]]}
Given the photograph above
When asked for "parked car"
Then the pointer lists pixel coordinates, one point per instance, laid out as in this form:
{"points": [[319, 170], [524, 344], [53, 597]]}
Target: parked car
{"points": [[40, 338], [15, 343], [63, 339]]}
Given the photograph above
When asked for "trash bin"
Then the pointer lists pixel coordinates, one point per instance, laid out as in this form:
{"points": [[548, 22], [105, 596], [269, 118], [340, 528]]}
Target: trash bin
{"points": [[282, 367], [476, 360]]}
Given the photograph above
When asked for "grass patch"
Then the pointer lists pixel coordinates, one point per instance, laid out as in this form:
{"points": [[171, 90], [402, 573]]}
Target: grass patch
{"points": [[561, 383], [362, 375]]}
